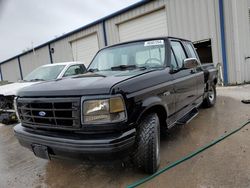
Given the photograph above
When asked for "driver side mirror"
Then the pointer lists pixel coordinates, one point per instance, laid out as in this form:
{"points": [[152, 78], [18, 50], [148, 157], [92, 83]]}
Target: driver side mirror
{"points": [[190, 63]]}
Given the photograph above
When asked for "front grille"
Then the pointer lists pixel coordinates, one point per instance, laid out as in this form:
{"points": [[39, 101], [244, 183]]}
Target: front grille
{"points": [[50, 112]]}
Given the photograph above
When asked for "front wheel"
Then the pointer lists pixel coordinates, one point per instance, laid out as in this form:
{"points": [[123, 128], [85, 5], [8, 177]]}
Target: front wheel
{"points": [[147, 151], [210, 98]]}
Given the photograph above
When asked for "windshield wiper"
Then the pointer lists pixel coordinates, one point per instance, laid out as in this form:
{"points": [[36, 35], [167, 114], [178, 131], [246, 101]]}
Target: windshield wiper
{"points": [[124, 67], [93, 70], [143, 67], [36, 79]]}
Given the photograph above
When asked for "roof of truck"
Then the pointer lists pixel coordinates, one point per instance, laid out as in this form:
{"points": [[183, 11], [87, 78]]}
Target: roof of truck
{"points": [[147, 39]]}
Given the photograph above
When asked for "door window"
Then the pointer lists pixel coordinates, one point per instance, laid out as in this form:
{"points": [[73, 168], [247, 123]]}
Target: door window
{"points": [[179, 52], [174, 65], [191, 50], [74, 70]]}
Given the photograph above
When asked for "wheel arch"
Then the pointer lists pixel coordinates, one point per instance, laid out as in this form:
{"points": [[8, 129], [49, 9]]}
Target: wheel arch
{"points": [[157, 108], [212, 81]]}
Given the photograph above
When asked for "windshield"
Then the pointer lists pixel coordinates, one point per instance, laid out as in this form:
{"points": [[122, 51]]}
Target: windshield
{"points": [[146, 54], [45, 73]]}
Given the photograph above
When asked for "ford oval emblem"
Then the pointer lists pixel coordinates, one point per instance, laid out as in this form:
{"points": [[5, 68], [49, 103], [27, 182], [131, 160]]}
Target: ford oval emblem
{"points": [[42, 113]]}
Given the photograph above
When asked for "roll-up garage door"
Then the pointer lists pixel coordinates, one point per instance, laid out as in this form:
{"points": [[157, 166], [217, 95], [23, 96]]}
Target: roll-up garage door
{"points": [[85, 48], [150, 25], [10, 71]]}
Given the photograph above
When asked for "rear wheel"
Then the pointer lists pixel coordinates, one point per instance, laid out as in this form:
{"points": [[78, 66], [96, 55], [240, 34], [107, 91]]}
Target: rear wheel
{"points": [[147, 151], [210, 99]]}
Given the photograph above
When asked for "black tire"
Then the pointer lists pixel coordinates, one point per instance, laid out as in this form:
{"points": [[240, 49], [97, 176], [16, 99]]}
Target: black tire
{"points": [[5, 121], [147, 151], [210, 98]]}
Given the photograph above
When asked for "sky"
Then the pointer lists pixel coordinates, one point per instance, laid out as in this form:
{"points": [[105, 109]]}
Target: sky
{"points": [[27, 23]]}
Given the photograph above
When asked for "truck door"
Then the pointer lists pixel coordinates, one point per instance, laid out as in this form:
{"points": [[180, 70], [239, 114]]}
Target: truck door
{"points": [[199, 72], [184, 79]]}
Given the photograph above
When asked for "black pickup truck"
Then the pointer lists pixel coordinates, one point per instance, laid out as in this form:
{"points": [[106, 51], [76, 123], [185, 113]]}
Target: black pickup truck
{"points": [[131, 93]]}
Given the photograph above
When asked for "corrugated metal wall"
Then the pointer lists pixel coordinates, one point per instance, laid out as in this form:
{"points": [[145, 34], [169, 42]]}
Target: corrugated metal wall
{"points": [[146, 26], [112, 24], [10, 71], [85, 48], [195, 20], [191, 19], [34, 59], [62, 48], [62, 53], [237, 40]]}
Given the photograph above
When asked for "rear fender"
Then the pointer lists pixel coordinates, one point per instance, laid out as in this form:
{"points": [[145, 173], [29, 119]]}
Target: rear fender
{"points": [[211, 78]]}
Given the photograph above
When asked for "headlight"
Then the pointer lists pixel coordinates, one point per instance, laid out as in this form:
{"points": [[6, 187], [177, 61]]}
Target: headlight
{"points": [[104, 110]]}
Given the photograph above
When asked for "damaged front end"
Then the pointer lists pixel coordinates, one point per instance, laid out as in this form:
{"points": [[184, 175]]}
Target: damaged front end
{"points": [[7, 111]]}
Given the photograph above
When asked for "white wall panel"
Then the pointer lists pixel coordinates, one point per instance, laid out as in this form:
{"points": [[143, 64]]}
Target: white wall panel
{"points": [[34, 59], [150, 25], [237, 40], [112, 25], [195, 20], [85, 48], [63, 50], [10, 71], [191, 19]]}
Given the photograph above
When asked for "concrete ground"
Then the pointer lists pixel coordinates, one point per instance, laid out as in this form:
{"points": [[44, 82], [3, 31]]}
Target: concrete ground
{"points": [[227, 164]]}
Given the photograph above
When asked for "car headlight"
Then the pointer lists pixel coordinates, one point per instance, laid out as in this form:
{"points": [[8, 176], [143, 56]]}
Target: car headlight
{"points": [[104, 110]]}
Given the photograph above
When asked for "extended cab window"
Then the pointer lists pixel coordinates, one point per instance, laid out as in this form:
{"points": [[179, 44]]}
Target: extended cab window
{"points": [[191, 50], [74, 70], [179, 52]]}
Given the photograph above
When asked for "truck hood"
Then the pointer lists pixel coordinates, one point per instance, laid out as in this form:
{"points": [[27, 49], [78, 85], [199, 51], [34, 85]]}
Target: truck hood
{"points": [[86, 84], [12, 89]]}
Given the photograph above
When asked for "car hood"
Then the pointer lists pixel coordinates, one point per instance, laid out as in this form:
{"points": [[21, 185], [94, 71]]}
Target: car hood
{"points": [[12, 89], [85, 84]]}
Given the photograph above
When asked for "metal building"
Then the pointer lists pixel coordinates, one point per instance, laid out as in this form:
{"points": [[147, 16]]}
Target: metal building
{"points": [[219, 29]]}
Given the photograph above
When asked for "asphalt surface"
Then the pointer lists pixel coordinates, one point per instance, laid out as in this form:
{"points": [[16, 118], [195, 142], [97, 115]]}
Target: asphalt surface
{"points": [[224, 165]]}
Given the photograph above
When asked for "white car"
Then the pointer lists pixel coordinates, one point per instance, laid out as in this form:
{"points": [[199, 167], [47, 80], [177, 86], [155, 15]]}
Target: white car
{"points": [[43, 73]]}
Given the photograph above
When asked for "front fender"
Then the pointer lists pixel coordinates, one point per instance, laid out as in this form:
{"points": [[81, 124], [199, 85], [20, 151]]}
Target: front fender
{"points": [[150, 103]]}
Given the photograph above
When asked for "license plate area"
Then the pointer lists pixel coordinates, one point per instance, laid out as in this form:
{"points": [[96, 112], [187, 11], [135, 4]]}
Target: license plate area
{"points": [[41, 151]]}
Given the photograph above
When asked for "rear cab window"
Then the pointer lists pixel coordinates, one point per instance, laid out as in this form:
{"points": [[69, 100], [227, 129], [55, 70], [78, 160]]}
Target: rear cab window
{"points": [[74, 70]]}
